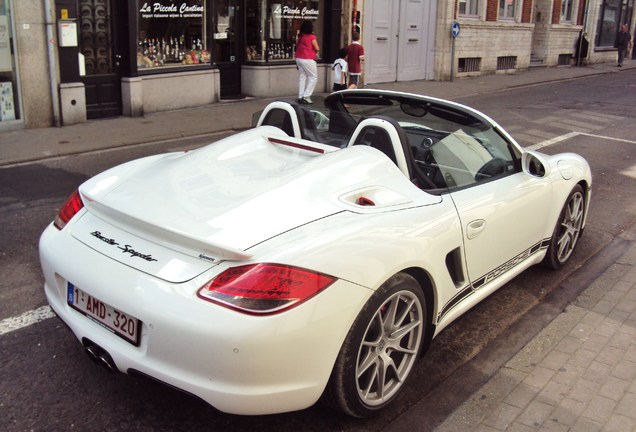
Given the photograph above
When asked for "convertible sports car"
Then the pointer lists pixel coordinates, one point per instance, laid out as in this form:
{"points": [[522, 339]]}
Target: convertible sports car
{"points": [[313, 256]]}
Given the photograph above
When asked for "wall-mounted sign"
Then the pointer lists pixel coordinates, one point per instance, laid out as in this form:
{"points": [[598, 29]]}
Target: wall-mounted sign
{"points": [[294, 12], [165, 9], [67, 33]]}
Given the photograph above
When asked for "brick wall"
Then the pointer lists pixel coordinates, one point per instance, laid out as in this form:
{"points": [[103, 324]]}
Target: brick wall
{"points": [[556, 12], [581, 12], [492, 9], [526, 11]]}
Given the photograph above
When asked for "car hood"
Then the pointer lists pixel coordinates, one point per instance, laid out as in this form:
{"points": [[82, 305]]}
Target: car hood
{"points": [[216, 202]]}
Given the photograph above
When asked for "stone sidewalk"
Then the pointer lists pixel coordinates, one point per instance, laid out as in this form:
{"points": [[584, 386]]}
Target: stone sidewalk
{"points": [[577, 374]]}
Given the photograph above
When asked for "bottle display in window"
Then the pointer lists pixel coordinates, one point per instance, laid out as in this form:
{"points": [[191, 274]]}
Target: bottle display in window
{"points": [[272, 27], [172, 33]]}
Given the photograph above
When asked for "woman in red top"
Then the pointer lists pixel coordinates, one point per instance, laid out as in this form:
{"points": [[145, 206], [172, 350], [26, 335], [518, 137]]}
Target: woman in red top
{"points": [[306, 50]]}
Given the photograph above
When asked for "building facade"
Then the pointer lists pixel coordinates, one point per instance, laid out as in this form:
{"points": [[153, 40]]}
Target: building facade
{"points": [[66, 61], [491, 36]]}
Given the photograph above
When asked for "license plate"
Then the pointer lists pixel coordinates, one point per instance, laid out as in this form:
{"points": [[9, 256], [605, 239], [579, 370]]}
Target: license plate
{"points": [[115, 321]]}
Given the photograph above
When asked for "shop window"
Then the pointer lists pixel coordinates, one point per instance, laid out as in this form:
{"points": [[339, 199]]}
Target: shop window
{"points": [[8, 79], [172, 33], [507, 9], [272, 26], [469, 7], [612, 12]]}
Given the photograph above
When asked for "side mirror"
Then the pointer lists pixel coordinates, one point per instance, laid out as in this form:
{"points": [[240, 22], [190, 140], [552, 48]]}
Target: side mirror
{"points": [[535, 164]]}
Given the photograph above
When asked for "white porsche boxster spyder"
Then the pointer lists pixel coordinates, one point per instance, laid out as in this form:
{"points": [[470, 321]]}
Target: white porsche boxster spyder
{"points": [[313, 256]]}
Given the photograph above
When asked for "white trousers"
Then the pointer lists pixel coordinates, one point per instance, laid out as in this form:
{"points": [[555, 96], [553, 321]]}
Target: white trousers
{"points": [[307, 77]]}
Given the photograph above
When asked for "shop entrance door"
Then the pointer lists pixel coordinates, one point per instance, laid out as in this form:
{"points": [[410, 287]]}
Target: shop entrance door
{"points": [[399, 40], [98, 45], [228, 46]]}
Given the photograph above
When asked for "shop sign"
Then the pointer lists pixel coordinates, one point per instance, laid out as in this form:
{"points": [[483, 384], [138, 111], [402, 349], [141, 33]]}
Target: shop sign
{"points": [[171, 10], [294, 12]]}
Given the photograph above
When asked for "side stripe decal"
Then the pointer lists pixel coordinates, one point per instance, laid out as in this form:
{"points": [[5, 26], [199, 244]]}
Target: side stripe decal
{"points": [[492, 275]]}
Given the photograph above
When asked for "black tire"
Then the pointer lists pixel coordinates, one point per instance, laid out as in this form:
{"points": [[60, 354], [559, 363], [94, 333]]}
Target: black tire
{"points": [[380, 350], [567, 231]]}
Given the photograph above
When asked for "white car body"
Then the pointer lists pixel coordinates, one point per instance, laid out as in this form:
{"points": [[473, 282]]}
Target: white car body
{"points": [[153, 232]]}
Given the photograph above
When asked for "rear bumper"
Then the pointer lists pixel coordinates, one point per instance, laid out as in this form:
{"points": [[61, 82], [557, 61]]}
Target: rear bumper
{"points": [[238, 363]]}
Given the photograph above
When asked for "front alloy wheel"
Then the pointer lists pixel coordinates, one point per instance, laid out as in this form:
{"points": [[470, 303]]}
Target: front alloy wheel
{"points": [[568, 230], [380, 349]]}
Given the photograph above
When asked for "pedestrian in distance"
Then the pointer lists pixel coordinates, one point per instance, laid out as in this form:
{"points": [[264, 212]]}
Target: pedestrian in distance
{"points": [[306, 51], [634, 43], [355, 58], [623, 43], [340, 71]]}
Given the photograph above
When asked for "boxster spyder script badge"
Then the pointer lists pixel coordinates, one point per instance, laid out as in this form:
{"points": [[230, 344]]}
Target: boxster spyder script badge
{"points": [[127, 249]]}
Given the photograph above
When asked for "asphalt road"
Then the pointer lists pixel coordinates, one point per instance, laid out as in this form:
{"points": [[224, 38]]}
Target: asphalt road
{"points": [[47, 383]]}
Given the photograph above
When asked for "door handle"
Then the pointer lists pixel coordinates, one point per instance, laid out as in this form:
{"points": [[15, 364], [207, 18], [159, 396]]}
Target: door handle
{"points": [[414, 40], [382, 38], [475, 228]]}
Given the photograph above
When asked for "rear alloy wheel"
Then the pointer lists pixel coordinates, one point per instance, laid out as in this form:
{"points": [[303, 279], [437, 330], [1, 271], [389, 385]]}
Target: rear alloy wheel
{"points": [[380, 350], [568, 229]]}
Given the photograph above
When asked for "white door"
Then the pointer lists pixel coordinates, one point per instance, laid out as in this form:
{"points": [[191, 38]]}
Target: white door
{"points": [[486, 211], [399, 40], [381, 18]]}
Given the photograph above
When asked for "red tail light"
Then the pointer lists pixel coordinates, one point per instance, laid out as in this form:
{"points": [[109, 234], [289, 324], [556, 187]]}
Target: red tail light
{"points": [[70, 208], [262, 289]]}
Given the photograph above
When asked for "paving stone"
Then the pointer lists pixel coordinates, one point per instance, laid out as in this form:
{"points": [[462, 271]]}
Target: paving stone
{"points": [[598, 372], [521, 396], [599, 409], [625, 370], [584, 390], [619, 423], [610, 356], [586, 425], [627, 406], [569, 344], [502, 417], [582, 357], [535, 414], [539, 377], [555, 360], [614, 388]]}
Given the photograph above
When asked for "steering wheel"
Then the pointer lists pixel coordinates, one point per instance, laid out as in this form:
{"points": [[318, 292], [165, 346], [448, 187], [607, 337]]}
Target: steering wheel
{"points": [[321, 120], [492, 168]]}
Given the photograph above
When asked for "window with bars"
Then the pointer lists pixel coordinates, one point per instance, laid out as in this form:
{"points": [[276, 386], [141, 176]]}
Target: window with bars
{"points": [[506, 62], [469, 64]]}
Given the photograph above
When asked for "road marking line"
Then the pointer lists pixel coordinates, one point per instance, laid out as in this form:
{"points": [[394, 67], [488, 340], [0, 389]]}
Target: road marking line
{"points": [[26, 319], [553, 141], [560, 138], [609, 138]]}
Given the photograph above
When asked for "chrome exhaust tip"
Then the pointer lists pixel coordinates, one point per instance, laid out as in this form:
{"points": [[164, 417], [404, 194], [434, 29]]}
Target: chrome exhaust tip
{"points": [[99, 355]]}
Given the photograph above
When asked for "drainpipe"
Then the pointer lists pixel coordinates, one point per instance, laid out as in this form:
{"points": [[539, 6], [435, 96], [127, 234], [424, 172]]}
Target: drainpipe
{"points": [[50, 44]]}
